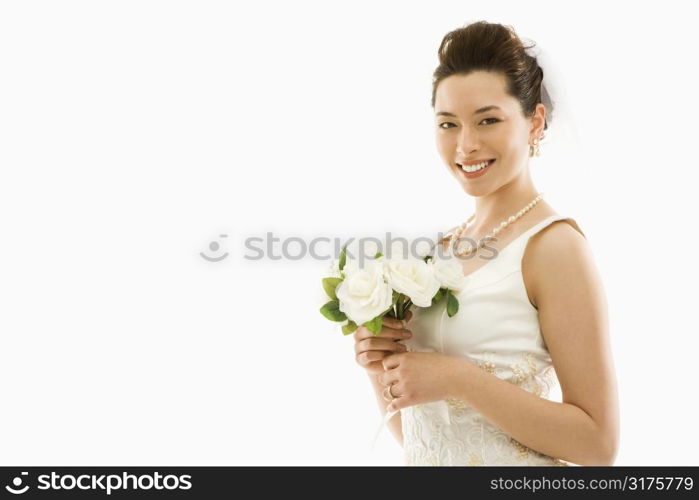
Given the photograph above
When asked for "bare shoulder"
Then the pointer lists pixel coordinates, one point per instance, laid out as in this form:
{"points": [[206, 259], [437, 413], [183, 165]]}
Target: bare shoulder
{"points": [[559, 235], [554, 256]]}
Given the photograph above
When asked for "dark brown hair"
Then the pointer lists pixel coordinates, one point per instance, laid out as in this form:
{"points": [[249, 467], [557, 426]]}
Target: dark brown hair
{"points": [[491, 47]]}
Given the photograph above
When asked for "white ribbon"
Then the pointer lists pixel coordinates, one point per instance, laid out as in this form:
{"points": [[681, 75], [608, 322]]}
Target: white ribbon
{"points": [[386, 418], [440, 408]]}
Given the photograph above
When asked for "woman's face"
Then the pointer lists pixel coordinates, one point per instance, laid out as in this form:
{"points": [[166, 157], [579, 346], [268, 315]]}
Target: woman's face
{"points": [[469, 130]]}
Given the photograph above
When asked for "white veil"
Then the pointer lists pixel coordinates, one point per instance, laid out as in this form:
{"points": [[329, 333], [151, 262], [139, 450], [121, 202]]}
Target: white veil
{"points": [[561, 137]]}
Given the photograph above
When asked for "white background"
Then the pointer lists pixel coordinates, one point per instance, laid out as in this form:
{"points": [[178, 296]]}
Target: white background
{"points": [[132, 134]]}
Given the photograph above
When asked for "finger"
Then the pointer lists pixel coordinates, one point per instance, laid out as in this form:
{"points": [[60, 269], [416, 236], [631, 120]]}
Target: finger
{"points": [[368, 357], [396, 389], [392, 360], [399, 402], [397, 323], [392, 322], [395, 333], [390, 377], [379, 344], [363, 332]]}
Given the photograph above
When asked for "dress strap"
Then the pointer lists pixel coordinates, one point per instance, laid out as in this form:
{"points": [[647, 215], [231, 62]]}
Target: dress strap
{"points": [[515, 263], [510, 258], [546, 222]]}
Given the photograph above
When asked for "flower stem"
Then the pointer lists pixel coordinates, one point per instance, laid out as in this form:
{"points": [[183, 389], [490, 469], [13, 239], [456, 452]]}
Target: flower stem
{"points": [[400, 312], [407, 305]]}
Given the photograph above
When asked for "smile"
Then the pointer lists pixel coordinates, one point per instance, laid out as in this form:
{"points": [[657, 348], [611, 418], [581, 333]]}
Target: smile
{"points": [[473, 171]]}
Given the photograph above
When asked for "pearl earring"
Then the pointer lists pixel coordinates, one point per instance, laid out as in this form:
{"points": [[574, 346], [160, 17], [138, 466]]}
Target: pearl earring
{"points": [[534, 147]]}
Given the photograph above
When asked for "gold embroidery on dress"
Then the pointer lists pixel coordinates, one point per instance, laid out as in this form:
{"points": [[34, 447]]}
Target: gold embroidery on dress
{"points": [[459, 404], [527, 375], [523, 451], [474, 459], [488, 366], [528, 378]]}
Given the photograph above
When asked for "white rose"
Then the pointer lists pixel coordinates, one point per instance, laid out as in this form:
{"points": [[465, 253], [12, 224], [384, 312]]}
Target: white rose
{"points": [[414, 278], [364, 293], [449, 273]]}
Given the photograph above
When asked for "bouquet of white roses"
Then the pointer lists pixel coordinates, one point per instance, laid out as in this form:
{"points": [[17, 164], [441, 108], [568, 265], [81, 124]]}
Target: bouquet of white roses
{"points": [[364, 294]]}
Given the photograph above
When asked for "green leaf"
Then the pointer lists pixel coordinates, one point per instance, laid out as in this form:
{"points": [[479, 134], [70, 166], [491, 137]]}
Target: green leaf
{"points": [[331, 310], [329, 285], [437, 296], [452, 304], [374, 326], [389, 310], [349, 328], [378, 254], [343, 258]]}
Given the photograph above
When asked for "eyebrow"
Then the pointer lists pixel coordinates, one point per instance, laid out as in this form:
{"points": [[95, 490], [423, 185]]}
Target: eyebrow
{"points": [[484, 109]]}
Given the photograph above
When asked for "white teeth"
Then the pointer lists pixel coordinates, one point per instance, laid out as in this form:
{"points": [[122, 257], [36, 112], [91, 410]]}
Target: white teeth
{"points": [[475, 168]]}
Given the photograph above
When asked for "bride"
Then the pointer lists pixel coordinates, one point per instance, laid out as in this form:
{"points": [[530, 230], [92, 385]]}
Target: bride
{"points": [[472, 389]]}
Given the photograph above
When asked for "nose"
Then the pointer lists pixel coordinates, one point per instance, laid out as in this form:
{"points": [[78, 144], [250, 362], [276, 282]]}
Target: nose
{"points": [[466, 142]]}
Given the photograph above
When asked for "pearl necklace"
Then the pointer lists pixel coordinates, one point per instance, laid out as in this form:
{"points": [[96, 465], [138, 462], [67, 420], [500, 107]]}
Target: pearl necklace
{"points": [[465, 225]]}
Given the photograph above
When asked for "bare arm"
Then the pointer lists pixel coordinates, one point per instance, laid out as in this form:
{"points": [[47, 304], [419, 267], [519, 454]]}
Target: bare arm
{"points": [[572, 309], [560, 430]]}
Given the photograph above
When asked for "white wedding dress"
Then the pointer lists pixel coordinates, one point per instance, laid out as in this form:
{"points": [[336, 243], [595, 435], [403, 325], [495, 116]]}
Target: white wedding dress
{"points": [[496, 328]]}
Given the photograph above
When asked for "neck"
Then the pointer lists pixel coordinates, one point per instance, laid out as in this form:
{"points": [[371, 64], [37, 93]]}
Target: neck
{"points": [[503, 203]]}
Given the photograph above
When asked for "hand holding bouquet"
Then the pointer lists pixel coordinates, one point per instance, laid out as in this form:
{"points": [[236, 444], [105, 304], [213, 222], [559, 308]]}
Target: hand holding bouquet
{"points": [[363, 293]]}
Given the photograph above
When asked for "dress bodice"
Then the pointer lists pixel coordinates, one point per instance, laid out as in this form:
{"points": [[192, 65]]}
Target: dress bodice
{"points": [[497, 329]]}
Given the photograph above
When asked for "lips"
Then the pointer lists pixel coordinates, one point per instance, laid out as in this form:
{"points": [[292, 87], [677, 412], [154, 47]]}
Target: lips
{"points": [[477, 173], [474, 162]]}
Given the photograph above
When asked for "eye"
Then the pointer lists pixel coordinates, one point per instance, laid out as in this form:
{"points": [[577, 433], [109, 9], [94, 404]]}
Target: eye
{"points": [[445, 123], [495, 120]]}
